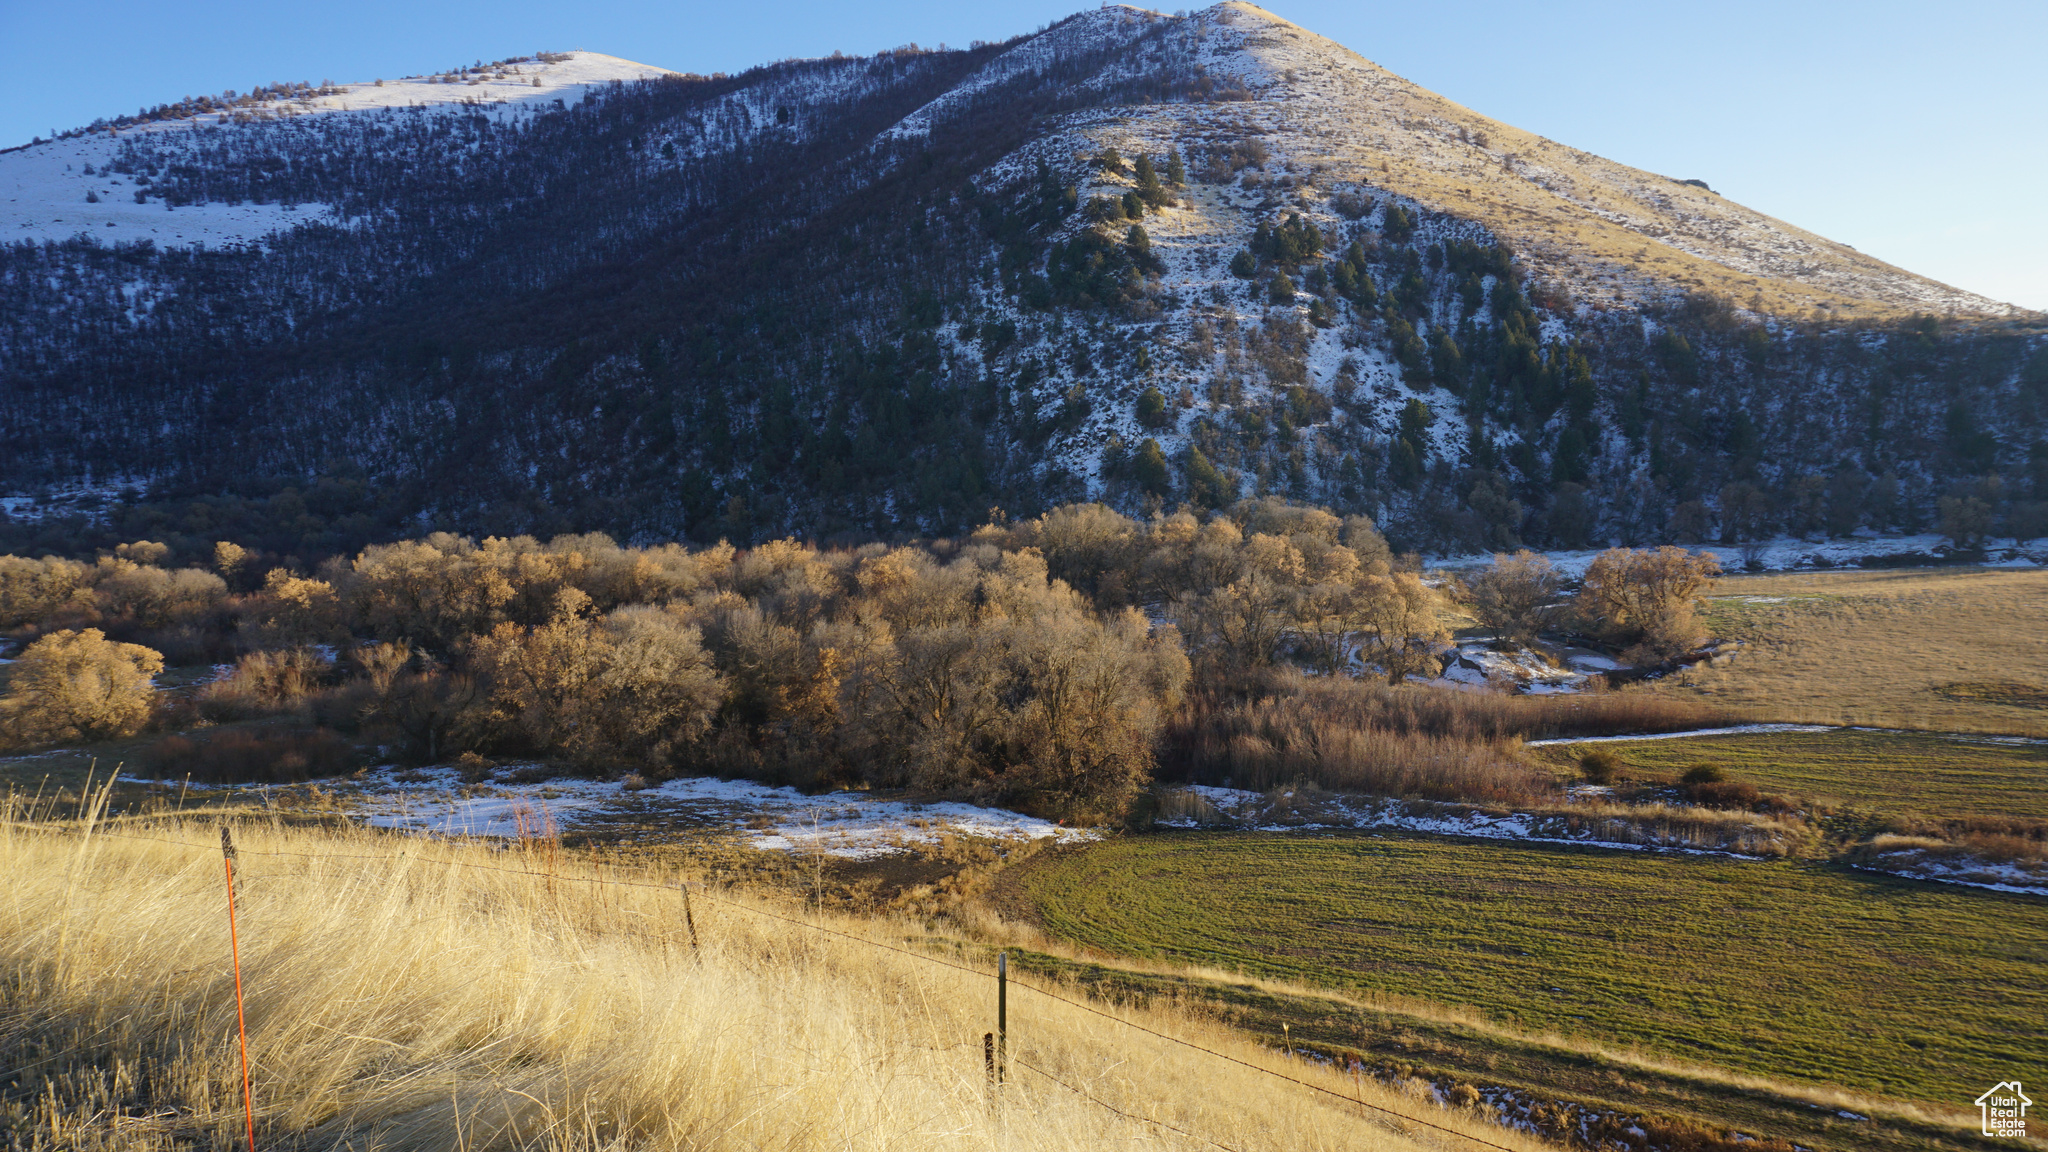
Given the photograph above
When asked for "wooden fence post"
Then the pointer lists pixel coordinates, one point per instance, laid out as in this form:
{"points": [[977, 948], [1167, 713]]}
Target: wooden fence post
{"points": [[1002, 1014], [689, 919], [227, 854]]}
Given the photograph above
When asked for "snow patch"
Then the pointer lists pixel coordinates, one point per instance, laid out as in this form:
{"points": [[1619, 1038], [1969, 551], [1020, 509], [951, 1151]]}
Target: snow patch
{"points": [[43, 187], [852, 825], [1288, 810]]}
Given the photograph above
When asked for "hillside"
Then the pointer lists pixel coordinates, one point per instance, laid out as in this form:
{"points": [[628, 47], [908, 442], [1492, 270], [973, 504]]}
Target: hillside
{"points": [[1613, 235], [414, 996], [887, 293]]}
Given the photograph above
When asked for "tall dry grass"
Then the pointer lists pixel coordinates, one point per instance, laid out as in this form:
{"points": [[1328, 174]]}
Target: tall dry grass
{"points": [[1403, 740], [399, 1000], [1263, 744], [1493, 715]]}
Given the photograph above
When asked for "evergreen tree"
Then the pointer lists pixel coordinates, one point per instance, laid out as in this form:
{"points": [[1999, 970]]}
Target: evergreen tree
{"points": [[1415, 420], [1262, 241], [1207, 485], [1399, 224], [1150, 468], [1176, 172], [1244, 265], [1446, 360], [1282, 289], [1569, 464], [1149, 189], [1404, 463], [1152, 409]]}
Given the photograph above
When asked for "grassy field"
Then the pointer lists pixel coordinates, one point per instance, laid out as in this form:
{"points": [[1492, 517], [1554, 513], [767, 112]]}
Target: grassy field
{"points": [[1895, 772], [1937, 649], [405, 995], [1794, 970]]}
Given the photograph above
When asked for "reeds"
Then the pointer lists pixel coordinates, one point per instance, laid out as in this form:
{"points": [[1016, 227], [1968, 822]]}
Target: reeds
{"points": [[1407, 741], [252, 756]]}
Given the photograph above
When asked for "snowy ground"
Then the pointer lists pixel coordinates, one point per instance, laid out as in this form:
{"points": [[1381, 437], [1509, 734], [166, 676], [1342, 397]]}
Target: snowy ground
{"points": [[65, 500], [1738, 730], [43, 187], [1478, 666], [1286, 810], [855, 825], [1750, 729], [2027, 879], [1790, 552]]}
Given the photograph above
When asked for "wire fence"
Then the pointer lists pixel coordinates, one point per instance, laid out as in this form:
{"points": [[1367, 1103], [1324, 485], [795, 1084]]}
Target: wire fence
{"points": [[915, 954]]}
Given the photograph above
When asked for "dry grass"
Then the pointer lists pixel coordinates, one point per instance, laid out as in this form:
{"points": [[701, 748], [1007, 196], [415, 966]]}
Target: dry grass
{"points": [[1908, 649], [1408, 741], [1268, 743], [398, 1000]]}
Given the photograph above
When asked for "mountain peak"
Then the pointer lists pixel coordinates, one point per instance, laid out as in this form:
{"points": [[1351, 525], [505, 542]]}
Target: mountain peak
{"points": [[1610, 234]]}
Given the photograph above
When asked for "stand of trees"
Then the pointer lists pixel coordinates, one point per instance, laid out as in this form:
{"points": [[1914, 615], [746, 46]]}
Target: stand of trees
{"points": [[1031, 662]]}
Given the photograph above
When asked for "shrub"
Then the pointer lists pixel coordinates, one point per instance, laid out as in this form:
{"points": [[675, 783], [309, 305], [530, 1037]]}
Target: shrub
{"points": [[265, 683], [1733, 794], [1152, 410], [33, 590], [1992, 839], [1645, 599], [1599, 766], [155, 597], [78, 686], [1703, 774], [245, 756]]}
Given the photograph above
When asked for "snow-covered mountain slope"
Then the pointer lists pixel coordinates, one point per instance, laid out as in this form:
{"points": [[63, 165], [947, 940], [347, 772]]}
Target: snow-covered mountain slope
{"points": [[57, 189], [885, 293], [1111, 28]]}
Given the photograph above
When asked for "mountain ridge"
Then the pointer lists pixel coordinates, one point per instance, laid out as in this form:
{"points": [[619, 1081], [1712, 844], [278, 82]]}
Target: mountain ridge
{"points": [[883, 293]]}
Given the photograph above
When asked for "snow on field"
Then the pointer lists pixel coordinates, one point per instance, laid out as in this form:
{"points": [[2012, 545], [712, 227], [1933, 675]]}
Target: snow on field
{"points": [[1738, 730], [1286, 810], [2029, 880], [857, 825], [43, 187], [1790, 552], [1753, 729], [1477, 665]]}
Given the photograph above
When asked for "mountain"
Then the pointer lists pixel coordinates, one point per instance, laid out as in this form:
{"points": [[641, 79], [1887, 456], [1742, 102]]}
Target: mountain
{"points": [[1133, 257]]}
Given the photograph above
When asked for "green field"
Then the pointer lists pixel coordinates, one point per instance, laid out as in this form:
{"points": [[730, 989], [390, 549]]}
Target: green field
{"points": [[1796, 970], [1887, 771]]}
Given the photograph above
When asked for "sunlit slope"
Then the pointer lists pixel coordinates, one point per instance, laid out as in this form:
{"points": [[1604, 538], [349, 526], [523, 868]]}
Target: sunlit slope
{"points": [[1608, 232]]}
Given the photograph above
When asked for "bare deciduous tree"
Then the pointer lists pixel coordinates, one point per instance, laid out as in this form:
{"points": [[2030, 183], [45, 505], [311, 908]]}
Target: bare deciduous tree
{"points": [[1516, 595]]}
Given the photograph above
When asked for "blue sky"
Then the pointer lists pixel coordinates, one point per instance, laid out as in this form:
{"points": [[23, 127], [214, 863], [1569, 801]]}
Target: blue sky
{"points": [[1913, 131]]}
